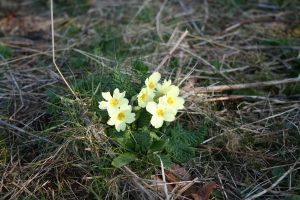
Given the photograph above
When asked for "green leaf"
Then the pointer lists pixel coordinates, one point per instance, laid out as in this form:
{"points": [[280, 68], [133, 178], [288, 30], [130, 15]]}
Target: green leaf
{"points": [[142, 140], [247, 92], [121, 141], [180, 152], [166, 159], [217, 194], [216, 64], [277, 173], [5, 51], [143, 119], [190, 138], [124, 83], [181, 142], [157, 145], [140, 67], [154, 159], [123, 159], [293, 197]]}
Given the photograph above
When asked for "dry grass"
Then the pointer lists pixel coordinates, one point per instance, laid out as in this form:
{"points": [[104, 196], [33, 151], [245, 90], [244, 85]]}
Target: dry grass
{"points": [[252, 146]]}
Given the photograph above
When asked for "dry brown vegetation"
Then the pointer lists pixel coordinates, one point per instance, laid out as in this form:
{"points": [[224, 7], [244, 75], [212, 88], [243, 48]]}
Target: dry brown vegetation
{"points": [[238, 66]]}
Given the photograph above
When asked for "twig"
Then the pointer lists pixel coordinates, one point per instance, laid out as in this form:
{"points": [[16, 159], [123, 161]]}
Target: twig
{"points": [[264, 19], [182, 190], [188, 75], [136, 180], [222, 187], [295, 107], [246, 97], [21, 96], [246, 154], [171, 51], [221, 88], [158, 19], [187, 10], [274, 184], [164, 178], [206, 63], [141, 8], [206, 16], [261, 47], [53, 52], [4, 123]]}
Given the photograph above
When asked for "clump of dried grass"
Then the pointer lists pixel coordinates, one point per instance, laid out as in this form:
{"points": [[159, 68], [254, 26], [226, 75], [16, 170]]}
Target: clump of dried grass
{"points": [[251, 131]]}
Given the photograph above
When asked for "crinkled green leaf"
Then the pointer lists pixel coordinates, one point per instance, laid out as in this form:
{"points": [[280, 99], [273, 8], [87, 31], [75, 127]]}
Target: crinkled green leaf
{"points": [[123, 159], [157, 145]]}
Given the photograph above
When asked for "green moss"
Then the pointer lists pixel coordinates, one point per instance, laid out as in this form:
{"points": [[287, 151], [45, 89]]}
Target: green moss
{"points": [[71, 30], [233, 6], [147, 15], [249, 92], [4, 151], [72, 7], [140, 67], [280, 41], [173, 63], [5, 51], [109, 43], [283, 3], [78, 62], [217, 64], [292, 89]]}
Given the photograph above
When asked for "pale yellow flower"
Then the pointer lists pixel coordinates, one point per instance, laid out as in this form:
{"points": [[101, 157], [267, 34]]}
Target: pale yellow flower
{"points": [[152, 81], [160, 113], [120, 117], [164, 88], [113, 102], [171, 100], [144, 97]]}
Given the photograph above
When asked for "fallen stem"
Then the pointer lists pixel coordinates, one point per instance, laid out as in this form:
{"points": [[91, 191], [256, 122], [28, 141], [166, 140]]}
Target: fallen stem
{"points": [[53, 51], [221, 88], [171, 51]]}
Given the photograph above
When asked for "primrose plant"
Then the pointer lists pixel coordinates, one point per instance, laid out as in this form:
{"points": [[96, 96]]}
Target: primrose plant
{"points": [[161, 100]]}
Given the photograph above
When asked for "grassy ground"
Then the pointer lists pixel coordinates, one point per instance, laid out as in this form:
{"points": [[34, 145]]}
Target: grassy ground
{"points": [[55, 147]]}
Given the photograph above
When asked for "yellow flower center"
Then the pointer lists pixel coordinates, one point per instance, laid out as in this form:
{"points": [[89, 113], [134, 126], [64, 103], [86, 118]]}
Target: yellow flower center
{"points": [[142, 97], [160, 112], [120, 116], [113, 101], [170, 100], [151, 85]]}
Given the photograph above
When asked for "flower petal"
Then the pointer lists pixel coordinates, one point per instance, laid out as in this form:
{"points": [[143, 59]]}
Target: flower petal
{"points": [[146, 81], [157, 122], [111, 122], [123, 101], [130, 117], [120, 126], [116, 93], [179, 101], [142, 104], [151, 107], [126, 108], [112, 111], [155, 77], [174, 91], [150, 93], [103, 105], [162, 100], [106, 95], [169, 116]]}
